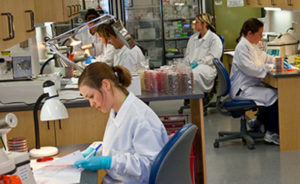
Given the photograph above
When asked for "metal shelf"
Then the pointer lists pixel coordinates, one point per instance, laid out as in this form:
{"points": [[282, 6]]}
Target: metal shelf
{"points": [[149, 40], [175, 39], [178, 19], [141, 7], [175, 56]]}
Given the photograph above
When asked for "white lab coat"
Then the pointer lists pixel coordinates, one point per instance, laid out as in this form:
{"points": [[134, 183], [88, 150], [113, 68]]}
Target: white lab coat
{"points": [[87, 38], [133, 138], [107, 56], [129, 58], [203, 51], [250, 65]]}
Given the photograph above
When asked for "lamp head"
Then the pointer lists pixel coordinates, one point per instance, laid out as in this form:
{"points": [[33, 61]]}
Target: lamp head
{"points": [[53, 108], [74, 42]]}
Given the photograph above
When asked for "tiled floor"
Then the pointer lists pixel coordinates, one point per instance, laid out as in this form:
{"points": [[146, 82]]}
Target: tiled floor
{"points": [[233, 163]]}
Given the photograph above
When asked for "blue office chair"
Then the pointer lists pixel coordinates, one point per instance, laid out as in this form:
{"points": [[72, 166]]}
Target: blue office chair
{"points": [[234, 108], [172, 164]]}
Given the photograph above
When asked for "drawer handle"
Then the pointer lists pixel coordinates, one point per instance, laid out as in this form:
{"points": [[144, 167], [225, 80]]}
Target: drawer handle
{"points": [[59, 124], [273, 2], [289, 2], [31, 20], [259, 2], [11, 30], [78, 7], [74, 7], [70, 8]]}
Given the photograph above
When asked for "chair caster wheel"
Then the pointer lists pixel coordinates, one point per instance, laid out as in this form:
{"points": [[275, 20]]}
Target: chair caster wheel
{"points": [[250, 146], [216, 144]]}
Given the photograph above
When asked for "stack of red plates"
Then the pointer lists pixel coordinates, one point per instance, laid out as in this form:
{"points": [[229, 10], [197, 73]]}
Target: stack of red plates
{"points": [[18, 144]]}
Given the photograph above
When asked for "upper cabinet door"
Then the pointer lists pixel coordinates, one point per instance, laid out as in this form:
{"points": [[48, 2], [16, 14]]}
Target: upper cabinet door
{"points": [[250, 3], [12, 20], [29, 18], [274, 3], [290, 4], [56, 10]]}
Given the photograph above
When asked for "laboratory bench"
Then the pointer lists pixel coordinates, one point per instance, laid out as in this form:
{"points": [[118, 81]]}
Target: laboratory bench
{"points": [[87, 177], [74, 130], [288, 89]]}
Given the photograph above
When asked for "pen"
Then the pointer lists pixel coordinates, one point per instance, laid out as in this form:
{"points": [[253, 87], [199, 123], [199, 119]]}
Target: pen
{"points": [[93, 152]]}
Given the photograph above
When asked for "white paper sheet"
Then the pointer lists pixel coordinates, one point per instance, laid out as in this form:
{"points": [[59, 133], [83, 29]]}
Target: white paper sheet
{"points": [[235, 3], [59, 171]]}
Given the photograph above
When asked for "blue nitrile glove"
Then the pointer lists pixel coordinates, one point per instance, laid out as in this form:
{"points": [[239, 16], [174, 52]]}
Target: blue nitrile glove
{"points": [[94, 163], [193, 64], [87, 151], [287, 65], [89, 60]]}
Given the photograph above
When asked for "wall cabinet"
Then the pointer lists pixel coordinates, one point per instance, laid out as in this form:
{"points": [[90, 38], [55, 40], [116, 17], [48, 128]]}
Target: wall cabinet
{"points": [[290, 4], [17, 22], [56, 10], [83, 126], [250, 3], [284, 4]]}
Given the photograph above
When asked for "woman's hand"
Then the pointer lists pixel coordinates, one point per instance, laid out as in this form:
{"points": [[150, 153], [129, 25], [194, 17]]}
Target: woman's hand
{"points": [[94, 163]]}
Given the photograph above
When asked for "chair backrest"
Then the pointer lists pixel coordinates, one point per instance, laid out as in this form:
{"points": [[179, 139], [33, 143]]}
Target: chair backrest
{"points": [[223, 44], [172, 164], [223, 79]]}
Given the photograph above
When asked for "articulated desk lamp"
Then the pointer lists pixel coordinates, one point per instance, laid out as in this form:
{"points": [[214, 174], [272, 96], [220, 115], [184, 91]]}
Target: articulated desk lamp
{"points": [[53, 109], [117, 25]]}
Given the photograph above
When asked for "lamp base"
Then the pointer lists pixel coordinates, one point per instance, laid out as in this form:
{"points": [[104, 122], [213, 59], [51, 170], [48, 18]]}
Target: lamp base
{"points": [[43, 152]]}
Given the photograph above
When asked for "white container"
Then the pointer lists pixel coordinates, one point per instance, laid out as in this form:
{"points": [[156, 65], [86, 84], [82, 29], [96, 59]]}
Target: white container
{"points": [[135, 86], [7, 165], [284, 45], [146, 33], [22, 163]]}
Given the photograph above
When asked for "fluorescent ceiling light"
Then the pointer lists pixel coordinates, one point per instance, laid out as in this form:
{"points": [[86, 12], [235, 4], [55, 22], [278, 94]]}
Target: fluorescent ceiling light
{"points": [[272, 9]]}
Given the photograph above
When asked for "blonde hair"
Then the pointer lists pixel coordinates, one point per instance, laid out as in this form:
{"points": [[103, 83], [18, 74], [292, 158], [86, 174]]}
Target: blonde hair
{"points": [[94, 73], [207, 19]]}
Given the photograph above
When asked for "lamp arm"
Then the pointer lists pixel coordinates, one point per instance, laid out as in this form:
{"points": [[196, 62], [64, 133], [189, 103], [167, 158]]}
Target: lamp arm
{"points": [[53, 48], [69, 34], [36, 121]]}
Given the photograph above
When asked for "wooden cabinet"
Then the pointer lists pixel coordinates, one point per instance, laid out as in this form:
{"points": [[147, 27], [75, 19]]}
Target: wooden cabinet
{"points": [[290, 4], [275, 3], [250, 3], [17, 22], [56, 10], [83, 126]]}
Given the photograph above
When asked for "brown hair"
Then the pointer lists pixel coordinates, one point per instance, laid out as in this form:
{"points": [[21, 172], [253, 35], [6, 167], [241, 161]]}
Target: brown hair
{"points": [[105, 31], [252, 25], [207, 19], [94, 73]]}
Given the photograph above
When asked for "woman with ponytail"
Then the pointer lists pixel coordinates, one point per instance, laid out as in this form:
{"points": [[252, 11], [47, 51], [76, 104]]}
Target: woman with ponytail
{"points": [[249, 66], [134, 134]]}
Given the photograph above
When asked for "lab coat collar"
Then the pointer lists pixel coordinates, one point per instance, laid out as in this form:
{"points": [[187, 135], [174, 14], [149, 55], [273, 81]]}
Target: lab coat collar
{"points": [[243, 39], [121, 50], [206, 36], [123, 110]]}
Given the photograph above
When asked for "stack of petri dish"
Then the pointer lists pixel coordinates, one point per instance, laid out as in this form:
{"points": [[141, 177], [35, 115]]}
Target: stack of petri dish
{"points": [[17, 144]]}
